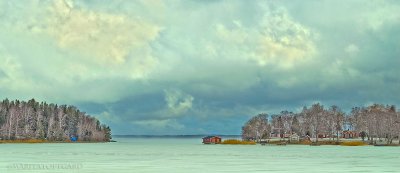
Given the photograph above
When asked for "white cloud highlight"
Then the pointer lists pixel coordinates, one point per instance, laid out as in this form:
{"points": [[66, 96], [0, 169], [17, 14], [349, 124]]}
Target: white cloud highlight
{"points": [[106, 37], [352, 49], [178, 102], [278, 41]]}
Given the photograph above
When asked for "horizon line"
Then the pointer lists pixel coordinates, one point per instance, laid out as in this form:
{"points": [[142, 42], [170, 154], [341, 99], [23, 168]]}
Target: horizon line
{"points": [[179, 135]]}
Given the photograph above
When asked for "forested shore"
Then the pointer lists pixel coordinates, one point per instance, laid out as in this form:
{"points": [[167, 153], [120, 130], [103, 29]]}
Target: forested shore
{"points": [[31, 120], [369, 124]]}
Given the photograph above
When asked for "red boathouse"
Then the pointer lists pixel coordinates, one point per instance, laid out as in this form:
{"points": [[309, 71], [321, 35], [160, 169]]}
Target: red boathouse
{"points": [[211, 140]]}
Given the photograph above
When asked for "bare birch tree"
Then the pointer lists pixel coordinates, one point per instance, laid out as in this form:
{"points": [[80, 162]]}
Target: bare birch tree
{"points": [[33, 120]]}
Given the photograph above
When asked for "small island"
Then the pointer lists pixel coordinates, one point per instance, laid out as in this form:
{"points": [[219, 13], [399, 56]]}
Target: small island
{"points": [[34, 122], [377, 125]]}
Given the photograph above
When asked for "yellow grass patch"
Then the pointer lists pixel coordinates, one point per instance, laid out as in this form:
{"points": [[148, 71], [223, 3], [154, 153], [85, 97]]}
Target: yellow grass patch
{"points": [[238, 142], [29, 141], [353, 143]]}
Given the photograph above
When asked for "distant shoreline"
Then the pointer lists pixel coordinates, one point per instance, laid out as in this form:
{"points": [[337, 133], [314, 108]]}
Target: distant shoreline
{"points": [[174, 136]]}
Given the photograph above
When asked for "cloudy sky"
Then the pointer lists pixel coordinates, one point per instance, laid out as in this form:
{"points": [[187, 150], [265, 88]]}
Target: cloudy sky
{"points": [[198, 66]]}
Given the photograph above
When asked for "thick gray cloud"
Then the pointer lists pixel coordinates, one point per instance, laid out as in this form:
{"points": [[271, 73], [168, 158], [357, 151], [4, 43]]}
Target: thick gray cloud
{"points": [[190, 67]]}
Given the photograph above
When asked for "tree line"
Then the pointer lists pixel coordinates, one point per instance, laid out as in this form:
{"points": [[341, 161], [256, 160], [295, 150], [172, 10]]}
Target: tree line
{"points": [[34, 120], [373, 122]]}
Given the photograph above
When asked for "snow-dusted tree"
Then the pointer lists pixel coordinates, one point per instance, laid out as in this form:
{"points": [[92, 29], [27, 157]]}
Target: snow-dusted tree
{"points": [[338, 118], [256, 128], [315, 114], [295, 126], [33, 120]]}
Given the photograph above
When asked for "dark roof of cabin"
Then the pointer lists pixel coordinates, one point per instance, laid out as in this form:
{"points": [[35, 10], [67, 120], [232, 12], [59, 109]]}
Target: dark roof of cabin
{"points": [[207, 137]]}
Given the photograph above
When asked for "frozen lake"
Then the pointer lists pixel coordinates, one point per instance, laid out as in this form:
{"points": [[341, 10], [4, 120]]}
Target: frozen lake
{"points": [[189, 155]]}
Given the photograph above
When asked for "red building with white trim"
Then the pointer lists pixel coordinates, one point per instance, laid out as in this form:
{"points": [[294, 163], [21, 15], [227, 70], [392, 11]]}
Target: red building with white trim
{"points": [[211, 140]]}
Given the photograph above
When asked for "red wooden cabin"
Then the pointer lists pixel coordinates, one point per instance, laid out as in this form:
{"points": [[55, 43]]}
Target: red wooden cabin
{"points": [[211, 140]]}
